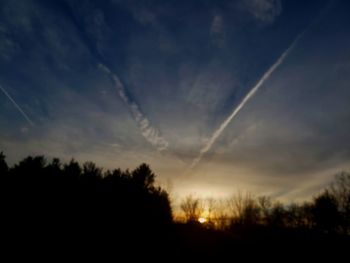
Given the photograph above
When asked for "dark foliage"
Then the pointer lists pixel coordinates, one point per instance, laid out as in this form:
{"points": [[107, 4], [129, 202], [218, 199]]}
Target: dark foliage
{"points": [[72, 205]]}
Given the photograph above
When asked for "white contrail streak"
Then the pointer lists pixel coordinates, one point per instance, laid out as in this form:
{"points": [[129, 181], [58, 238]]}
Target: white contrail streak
{"points": [[151, 134], [17, 106], [251, 93]]}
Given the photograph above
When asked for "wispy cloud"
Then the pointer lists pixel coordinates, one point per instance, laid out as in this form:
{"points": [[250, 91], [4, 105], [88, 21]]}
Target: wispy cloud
{"points": [[265, 11], [17, 106], [217, 31], [151, 134], [216, 25], [250, 94]]}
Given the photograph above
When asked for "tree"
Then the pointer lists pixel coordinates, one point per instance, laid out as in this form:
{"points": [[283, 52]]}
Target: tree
{"points": [[222, 220], [211, 208], [143, 176], [163, 209], [3, 164], [90, 170], [32, 164], [265, 204], [325, 212], [244, 209], [340, 189], [55, 167], [72, 169], [295, 216], [277, 215], [192, 208]]}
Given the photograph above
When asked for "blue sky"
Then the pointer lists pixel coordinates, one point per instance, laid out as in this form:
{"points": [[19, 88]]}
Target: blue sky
{"points": [[124, 82]]}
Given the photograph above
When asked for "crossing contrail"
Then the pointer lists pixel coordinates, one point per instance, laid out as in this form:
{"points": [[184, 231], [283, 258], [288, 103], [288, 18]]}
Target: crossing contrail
{"points": [[250, 94], [151, 134], [17, 106]]}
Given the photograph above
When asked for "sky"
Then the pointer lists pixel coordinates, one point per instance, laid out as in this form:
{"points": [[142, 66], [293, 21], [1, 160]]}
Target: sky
{"points": [[217, 96]]}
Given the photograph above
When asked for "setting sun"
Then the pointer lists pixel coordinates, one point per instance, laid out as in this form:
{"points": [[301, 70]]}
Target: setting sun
{"points": [[202, 220]]}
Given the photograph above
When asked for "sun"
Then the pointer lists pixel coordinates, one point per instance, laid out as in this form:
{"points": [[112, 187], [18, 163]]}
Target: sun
{"points": [[202, 220]]}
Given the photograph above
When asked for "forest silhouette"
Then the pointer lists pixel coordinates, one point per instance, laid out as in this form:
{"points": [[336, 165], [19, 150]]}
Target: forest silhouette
{"points": [[68, 206]]}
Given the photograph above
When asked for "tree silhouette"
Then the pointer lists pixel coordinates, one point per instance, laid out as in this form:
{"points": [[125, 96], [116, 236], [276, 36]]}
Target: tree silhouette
{"points": [[90, 170], [340, 189], [244, 209], [265, 204], [72, 169], [82, 204], [3, 164], [325, 212], [143, 176], [277, 215], [192, 208]]}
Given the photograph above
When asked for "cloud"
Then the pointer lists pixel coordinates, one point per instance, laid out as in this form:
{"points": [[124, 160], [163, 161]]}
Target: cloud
{"points": [[8, 48], [145, 17], [265, 11], [216, 25], [202, 87], [151, 134], [217, 31]]}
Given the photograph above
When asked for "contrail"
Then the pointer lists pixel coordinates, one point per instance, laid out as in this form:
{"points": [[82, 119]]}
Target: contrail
{"points": [[251, 93], [17, 106], [151, 134]]}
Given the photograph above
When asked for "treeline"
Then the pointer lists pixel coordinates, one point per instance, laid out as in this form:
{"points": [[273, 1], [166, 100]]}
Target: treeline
{"points": [[46, 204], [328, 212], [43, 200]]}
